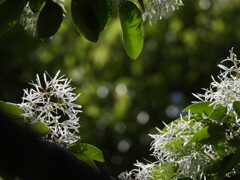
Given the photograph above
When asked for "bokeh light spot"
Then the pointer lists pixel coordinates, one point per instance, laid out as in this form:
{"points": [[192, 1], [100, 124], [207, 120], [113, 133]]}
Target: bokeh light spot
{"points": [[121, 89], [102, 92], [124, 145], [142, 118]]}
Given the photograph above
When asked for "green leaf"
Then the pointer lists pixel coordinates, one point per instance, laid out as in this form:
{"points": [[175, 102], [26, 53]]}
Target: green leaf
{"points": [[88, 150], [10, 12], [39, 128], [87, 153], [49, 20], [164, 169], [85, 19], [212, 169], [223, 164], [235, 142], [90, 17], [175, 144], [200, 135], [234, 160], [213, 133], [132, 28], [199, 108], [11, 110], [218, 113], [36, 5], [236, 107], [185, 178], [103, 11], [87, 160], [141, 4]]}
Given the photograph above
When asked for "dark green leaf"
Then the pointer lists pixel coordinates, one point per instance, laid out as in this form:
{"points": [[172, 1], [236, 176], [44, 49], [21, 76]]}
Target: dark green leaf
{"points": [[199, 108], [212, 169], [49, 20], [235, 142], [232, 162], [88, 150], [36, 5], [185, 178], [11, 110], [103, 11], [236, 107], [10, 12], [211, 134], [223, 164], [229, 119], [132, 28], [90, 17], [85, 19], [216, 133], [141, 4], [234, 177], [39, 128]]}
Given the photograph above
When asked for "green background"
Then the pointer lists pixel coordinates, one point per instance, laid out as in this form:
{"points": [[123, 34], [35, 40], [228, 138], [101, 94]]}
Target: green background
{"points": [[124, 100]]}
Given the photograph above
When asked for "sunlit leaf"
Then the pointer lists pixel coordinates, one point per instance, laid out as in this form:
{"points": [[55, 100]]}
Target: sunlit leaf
{"points": [[87, 160], [161, 170], [49, 20], [87, 153], [236, 107], [39, 128], [218, 113], [200, 135], [199, 108], [10, 12], [132, 28], [175, 144], [36, 5], [88, 150], [11, 110]]}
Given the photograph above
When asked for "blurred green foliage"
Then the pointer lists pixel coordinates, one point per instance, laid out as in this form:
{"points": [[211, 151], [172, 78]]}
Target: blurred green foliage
{"points": [[124, 100]]}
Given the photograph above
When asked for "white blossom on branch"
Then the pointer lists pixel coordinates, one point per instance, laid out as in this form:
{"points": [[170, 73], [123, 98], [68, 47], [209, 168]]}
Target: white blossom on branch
{"points": [[52, 103]]}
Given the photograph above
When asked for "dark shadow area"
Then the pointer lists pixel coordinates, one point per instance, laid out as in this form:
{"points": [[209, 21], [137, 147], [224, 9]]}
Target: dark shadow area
{"points": [[23, 155]]}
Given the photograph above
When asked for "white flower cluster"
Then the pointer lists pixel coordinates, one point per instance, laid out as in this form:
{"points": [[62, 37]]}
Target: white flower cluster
{"points": [[157, 9], [227, 90], [175, 158], [51, 103], [176, 155]]}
